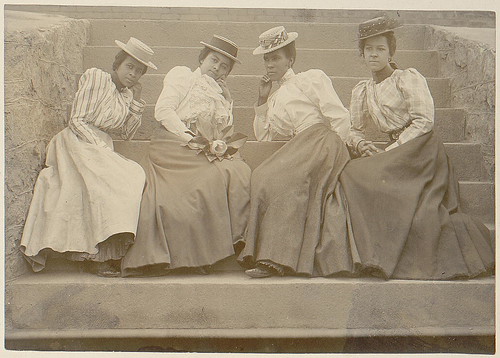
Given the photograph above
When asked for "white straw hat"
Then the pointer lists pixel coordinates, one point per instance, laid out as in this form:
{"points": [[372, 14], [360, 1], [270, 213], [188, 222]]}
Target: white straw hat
{"points": [[138, 50], [274, 39], [223, 46]]}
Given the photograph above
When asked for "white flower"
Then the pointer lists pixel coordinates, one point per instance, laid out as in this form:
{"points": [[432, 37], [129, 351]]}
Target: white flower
{"points": [[218, 147]]}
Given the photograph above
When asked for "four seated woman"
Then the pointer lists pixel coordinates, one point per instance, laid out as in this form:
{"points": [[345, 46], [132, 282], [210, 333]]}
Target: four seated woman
{"points": [[307, 210]]}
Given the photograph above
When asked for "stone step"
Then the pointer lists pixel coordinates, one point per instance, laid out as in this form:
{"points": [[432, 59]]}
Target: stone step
{"points": [[244, 88], [182, 305], [450, 124], [244, 34], [466, 157], [336, 62]]}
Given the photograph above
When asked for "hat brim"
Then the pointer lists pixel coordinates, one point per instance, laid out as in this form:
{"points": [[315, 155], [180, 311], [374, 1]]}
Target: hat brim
{"points": [[378, 33], [124, 48], [292, 36], [222, 52]]}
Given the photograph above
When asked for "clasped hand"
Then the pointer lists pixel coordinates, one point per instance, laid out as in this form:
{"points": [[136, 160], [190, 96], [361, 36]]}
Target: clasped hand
{"points": [[367, 148]]}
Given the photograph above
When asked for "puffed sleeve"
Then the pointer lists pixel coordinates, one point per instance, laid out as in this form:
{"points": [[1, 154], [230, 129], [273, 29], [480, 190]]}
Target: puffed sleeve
{"points": [[359, 115], [318, 87], [262, 124], [133, 121], [419, 102], [91, 91], [176, 85]]}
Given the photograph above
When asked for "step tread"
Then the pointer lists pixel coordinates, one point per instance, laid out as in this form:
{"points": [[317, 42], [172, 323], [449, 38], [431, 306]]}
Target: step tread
{"points": [[227, 278]]}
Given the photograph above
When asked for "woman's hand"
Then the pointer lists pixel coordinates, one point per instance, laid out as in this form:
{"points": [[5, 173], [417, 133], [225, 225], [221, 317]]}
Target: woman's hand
{"points": [[367, 148], [136, 91], [225, 90], [265, 86]]}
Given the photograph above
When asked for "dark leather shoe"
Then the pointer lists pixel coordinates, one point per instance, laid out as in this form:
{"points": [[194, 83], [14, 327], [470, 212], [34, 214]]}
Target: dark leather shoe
{"points": [[259, 272]]}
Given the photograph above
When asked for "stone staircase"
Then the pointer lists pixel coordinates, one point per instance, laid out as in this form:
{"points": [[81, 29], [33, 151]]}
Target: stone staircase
{"points": [[182, 312]]}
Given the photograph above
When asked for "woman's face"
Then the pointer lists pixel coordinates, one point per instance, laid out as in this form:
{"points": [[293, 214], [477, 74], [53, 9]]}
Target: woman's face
{"points": [[376, 53], [215, 65], [130, 71], [277, 64]]}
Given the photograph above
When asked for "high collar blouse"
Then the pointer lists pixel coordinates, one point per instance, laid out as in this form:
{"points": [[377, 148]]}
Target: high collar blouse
{"points": [[302, 100], [100, 104], [189, 97], [401, 100]]}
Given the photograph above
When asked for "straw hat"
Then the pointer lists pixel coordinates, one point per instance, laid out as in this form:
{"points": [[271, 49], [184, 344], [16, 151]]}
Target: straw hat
{"points": [[377, 26], [224, 46], [274, 39], [138, 50]]}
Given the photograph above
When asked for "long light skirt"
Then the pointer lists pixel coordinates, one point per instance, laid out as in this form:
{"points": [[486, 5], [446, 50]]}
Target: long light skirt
{"points": [[85, 205]]}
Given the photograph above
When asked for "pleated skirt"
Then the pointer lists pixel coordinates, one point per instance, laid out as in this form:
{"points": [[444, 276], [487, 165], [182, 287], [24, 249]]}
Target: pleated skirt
{"points": [[406, 219]]}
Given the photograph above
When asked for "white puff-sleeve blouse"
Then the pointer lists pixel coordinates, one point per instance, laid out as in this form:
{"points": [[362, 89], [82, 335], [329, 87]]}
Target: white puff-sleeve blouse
{"points": [[99, 104], [302, 100], [401, 102], [189, 97]]}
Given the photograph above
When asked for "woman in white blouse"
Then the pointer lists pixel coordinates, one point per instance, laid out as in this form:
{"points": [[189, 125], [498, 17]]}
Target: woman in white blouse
{"points": [[296, 213], [86, 202], [403, 201], [194, 209]]}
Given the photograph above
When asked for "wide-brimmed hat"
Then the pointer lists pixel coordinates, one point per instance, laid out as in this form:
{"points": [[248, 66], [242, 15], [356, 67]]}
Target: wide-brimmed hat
{"points": [[274, 39], [224, 46], [377, 26], [138, 50]]}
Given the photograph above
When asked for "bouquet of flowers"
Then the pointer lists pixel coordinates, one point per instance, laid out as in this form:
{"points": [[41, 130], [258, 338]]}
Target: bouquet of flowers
{"points": [[216, 142]]}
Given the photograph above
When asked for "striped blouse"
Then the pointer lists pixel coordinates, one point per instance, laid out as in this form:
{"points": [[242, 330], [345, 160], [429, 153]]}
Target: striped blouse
{"points": [[98, 103], [400, 102]]}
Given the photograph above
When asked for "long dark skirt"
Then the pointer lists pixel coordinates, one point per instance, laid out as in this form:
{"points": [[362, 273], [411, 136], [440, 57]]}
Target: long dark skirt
{"points": [[193, 211], [405, 215], [297, 216]]}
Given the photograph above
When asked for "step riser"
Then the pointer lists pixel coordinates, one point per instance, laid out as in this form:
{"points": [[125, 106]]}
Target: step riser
{"points": [[244, 89], [244, 34], [333, 62], [449, 125], [186, 302], [466, 158]]}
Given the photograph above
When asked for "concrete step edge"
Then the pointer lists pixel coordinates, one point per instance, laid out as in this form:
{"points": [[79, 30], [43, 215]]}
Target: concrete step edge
{"points": [[21, 334], [228, 22]]}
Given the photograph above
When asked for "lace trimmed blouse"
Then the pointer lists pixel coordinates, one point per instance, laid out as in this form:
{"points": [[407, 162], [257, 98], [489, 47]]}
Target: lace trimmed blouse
{"points": [[99, 104], [400, 102], [302, 100], [188, 98]]}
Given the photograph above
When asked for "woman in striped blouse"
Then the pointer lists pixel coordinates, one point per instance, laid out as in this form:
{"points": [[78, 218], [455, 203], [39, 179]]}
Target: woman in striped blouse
{"points": [[86, 202], [403, 200]]}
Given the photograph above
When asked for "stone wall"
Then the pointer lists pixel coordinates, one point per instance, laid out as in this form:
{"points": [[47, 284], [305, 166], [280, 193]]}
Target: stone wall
{"points": [[42, 54], [444, 18], [468, 59]]}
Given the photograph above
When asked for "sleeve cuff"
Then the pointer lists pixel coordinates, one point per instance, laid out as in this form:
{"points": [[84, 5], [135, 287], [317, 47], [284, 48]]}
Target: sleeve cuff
{"points": [[137, 107]]}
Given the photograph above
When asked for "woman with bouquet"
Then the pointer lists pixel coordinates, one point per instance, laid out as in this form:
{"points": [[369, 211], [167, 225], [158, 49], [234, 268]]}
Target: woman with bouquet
{"points": [[195, 204]]}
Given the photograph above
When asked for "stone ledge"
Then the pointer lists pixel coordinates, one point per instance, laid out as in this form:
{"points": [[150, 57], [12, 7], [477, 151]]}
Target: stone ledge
{"points": [[42, 53], [467, 57]]}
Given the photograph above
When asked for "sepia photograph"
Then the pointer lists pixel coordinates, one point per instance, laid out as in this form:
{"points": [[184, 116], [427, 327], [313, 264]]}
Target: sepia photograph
{"points": [[236, 178]]}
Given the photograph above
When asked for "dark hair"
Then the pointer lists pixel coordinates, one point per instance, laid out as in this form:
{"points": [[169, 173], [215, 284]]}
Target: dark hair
{"points": [[290, 51], [204, 53], [391, 42], [120, 57]]}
